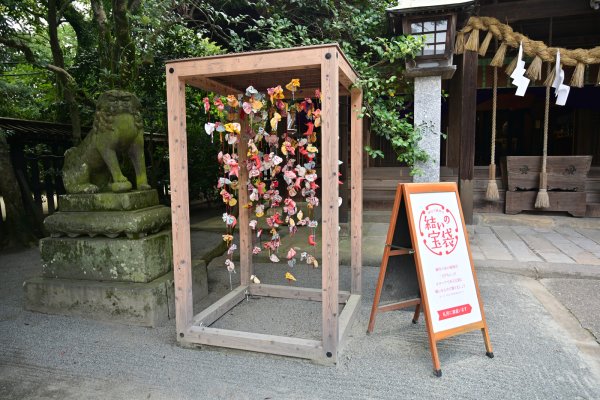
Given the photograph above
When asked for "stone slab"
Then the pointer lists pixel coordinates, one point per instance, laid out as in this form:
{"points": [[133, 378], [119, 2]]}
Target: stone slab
{"points": [[109, 223], [129, 201], [144, 304], [104, 259]]}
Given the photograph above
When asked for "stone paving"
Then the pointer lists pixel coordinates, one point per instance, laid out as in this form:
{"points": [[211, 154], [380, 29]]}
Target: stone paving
{"points": [[520, 243]]}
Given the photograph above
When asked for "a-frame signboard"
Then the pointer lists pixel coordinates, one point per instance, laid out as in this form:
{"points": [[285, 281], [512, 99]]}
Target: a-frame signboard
{"points": [[430, 215]]}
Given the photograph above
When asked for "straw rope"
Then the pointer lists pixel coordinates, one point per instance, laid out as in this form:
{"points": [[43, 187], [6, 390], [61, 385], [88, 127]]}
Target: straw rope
{"points": [[542, 200], [492, 187], [578, 58]]}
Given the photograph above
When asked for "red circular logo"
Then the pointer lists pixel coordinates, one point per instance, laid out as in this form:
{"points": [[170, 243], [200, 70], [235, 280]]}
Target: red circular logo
{"points": [[438, 229]]}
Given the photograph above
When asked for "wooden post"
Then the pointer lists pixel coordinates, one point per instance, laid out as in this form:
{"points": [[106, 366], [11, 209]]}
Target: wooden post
{"points": [[344, 138], [467, 116], [180, 213], [246, 268], [356, 158], [454, 120], [329, 199]]}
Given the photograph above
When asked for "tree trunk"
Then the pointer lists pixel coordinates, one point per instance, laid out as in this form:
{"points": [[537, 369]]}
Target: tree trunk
{"points": [[17, 229], [65, 87], [104, 38], [124, 49]]}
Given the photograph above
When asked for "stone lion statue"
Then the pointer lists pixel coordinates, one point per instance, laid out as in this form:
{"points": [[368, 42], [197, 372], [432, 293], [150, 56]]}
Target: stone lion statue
{"points": [[93, 165]]}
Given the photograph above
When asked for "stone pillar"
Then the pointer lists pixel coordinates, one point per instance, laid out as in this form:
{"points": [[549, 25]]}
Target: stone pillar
{"points": [[427, 116]]}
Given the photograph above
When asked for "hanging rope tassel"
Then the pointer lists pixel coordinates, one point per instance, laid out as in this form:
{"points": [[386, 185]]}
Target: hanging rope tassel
{"points": [[473, 41], [578, 78], [534, 72], [485, 44], [511, 67], [491, 193], [542, 200], [498, 59], [550, 77], [459, 46]]}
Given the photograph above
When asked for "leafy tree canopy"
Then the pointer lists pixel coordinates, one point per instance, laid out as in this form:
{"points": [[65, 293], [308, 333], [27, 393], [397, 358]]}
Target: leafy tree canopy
{"points": [[58, 55], [359, 26]]}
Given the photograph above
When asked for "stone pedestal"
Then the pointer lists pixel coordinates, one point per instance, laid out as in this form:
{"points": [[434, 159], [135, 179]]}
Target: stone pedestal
{"points": [[145, 304], [109, 257], [427, 115], [105, 259]]}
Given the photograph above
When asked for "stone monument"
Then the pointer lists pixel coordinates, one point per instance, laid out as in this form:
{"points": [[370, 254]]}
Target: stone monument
{"points": [[109, 254]]}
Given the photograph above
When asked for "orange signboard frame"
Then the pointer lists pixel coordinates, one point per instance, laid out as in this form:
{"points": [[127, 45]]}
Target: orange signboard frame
{"points": [[404, 192]]}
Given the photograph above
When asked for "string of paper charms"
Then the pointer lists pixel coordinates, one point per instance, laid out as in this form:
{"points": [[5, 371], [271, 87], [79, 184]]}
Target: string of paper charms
{"points": [[281, 164]]}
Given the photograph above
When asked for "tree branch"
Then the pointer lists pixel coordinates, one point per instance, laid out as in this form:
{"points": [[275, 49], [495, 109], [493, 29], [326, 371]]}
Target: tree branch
{"points": [[60, 71], [63, 7], [20, 45], [133, 5]]}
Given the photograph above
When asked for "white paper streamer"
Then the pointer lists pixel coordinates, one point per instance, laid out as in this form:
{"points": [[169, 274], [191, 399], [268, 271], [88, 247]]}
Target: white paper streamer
{"points": [[518, 77], [561, 91]]}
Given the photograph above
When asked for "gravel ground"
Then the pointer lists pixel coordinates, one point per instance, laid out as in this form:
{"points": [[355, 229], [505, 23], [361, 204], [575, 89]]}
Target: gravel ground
{"points": [[45, 356]]}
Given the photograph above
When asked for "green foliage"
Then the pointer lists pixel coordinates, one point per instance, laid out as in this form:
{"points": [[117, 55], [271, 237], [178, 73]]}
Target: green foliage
{"points": [[360, 28], [163, 30], [160, 32]]}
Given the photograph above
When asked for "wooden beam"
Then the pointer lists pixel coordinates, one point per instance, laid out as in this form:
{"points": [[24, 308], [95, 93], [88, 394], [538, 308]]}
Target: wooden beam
{"points": [[180, 214], [356, 189], [510, 11], [329, 199], [282, 345], [348, 315], [347, 74], [399, 305], [250, 63], [291, 292], [459, 330], [220, 307], [467, 117], [210, 85]]}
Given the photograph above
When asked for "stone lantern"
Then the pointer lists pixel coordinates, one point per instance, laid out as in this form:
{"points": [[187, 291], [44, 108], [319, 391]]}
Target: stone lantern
{"points": [[436, 21]]}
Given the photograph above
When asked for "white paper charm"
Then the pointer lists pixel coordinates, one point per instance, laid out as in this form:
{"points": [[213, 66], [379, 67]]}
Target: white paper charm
{"points": [[561, 91], [518, 77]]}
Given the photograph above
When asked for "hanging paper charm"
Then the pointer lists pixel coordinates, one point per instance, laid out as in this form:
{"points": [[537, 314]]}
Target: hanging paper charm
{"points": [[561, 91], [518, 75]]}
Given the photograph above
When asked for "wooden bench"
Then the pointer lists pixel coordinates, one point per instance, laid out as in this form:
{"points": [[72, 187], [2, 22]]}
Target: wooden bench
{"points": [[566, 183]]}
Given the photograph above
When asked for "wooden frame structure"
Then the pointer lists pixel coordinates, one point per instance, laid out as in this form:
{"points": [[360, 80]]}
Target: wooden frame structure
{"points": [[321, 67]]}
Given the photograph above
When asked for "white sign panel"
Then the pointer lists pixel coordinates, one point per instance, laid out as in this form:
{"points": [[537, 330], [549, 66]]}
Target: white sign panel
{"points": [[442, 247]]}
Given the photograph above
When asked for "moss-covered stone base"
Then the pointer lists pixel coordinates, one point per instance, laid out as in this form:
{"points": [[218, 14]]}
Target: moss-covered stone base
{"points": [[146, 304], [129, 201], [103, 259]]}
